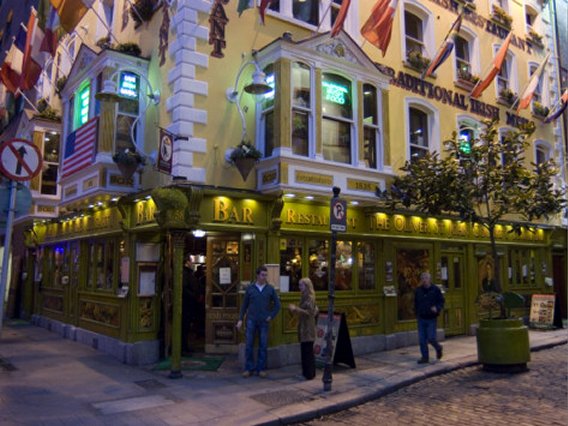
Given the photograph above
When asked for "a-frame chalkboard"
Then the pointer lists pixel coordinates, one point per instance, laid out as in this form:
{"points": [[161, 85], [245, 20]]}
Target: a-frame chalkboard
{"points": [[342, 349]]}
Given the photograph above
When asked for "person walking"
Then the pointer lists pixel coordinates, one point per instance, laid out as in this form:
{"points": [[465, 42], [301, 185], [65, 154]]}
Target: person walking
{"points": [[260, 305], [306, 311], [428, 303]]}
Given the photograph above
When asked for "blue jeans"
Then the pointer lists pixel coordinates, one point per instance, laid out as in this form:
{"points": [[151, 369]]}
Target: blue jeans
{"points": [[254, 328], [427, 334]]}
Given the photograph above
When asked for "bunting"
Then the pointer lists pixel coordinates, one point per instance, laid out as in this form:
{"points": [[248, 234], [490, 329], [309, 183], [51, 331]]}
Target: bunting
{"points": [[558, 109], [494, 70], [71, 12], [377, 29], [340, 19], [446, 48], [528, 93]]}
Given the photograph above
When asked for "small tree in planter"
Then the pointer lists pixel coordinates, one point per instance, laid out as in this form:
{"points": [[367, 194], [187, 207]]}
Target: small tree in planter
{"points": [[244, 156], [483, 184]]}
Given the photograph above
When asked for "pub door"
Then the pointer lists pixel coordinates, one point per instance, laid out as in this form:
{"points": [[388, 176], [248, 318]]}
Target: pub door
{"points": [[453, 273], [222, 294]]}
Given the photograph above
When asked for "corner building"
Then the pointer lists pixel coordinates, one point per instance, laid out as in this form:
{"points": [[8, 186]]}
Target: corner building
{"points": [[105, 266]]}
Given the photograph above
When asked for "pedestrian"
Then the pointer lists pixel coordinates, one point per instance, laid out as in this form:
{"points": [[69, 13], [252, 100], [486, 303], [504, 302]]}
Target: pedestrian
{"points": [[306, 311], [260, 305], [428, 303]]}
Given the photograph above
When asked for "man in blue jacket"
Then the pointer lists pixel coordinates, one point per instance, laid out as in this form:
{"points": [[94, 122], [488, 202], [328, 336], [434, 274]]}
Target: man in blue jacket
{"points": [[428, 303], [260, 304]]}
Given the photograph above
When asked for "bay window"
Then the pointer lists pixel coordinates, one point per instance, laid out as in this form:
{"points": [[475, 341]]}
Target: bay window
{"points": [[337, 118]]}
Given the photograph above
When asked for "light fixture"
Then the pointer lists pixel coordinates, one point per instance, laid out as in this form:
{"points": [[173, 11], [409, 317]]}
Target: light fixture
{"points": [[258, 86], [309, 197], [198, 233], [289, 195], [109, 94]]}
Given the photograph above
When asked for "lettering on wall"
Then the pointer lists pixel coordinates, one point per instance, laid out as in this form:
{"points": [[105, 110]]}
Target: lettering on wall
{"points": [[225, 212], [217, 22]]}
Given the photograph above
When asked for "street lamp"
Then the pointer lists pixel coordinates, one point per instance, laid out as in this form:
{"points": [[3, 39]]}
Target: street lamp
{"points": [[110, 94], [258, 86]]}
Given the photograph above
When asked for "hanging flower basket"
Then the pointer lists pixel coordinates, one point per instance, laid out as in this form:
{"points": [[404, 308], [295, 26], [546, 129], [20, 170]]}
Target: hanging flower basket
{"points": [[244, 156], [127, 162]]}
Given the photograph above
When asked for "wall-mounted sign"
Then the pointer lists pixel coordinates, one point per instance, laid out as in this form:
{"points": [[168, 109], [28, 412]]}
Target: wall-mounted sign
{"points": [[128, 85]]}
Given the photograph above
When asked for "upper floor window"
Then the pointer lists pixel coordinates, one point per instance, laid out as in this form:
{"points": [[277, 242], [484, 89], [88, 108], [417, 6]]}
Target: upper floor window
{"points": [[506, 77], [463, 58], [337, 118], [414, 33], [531, 18], [311, 12], [127, 110], [267, 112], [82, 104], [370, 126], [542, 153], [419, 136], [537, 95], [51, 143], [301, 108]]}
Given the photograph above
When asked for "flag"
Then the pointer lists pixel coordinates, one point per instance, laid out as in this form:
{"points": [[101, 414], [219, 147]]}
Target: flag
{"points": [[244, 5], [446, 47], [33, 59], [340, 20], [125, 13], [378, 28], [262, 8], [71, 12], [11, 72], [80, 148], [528, 93], [10, 78], [494, 70], [51, 33], [164, 36], [558, 109]]}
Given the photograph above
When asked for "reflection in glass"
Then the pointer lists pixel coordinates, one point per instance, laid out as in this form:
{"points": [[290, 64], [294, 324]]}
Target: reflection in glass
{"points": [[318, 263], [366, 260]]}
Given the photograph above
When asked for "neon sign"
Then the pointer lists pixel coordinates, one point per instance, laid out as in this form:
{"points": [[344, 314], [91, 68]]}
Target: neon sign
{"points": [[128, 85], [334, 92]]}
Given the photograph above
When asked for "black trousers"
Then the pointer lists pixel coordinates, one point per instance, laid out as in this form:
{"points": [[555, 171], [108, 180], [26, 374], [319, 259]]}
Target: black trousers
{"points": [[308, 360]]}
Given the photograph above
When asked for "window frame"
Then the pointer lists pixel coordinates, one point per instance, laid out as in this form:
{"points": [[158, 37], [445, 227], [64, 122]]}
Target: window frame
{"points": [[426, 17], [432, 114]]}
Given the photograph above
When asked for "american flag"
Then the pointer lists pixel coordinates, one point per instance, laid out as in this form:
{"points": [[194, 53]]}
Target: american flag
{"points": [[80, 148]]}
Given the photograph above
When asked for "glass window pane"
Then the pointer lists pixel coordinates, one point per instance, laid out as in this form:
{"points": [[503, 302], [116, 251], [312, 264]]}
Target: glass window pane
{"points": [[337, 141], [267, 100], [99, 264], [336, 96], [301, 86], [370, 115], [268, 133], [306, 10], [366, 260], [318, 263], [413, 25], [51, 147], [109, 262], [291, 251], [409, 264], [49, 180], [122, 139], [344, 265], [462, 49], [370, 147], [300, 132]]}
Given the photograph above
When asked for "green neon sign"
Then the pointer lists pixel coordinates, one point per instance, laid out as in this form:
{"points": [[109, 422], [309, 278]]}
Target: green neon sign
{"points": [[128, 85], [84, 96], [335, 93]]}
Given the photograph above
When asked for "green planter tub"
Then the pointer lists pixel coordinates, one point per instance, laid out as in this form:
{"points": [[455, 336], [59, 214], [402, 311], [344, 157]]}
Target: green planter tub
{"points": [[503, 345]]}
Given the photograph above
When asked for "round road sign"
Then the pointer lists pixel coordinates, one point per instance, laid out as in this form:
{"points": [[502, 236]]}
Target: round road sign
{"points": [[20, 159]]}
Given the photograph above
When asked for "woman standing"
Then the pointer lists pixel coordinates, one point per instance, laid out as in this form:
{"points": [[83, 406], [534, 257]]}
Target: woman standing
{"points": [[306, 311]]}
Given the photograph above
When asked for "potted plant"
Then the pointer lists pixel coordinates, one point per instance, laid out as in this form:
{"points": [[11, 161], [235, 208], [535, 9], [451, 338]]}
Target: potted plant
{"points": [[540, 110], [501, 17], [127, 161], [129, 48], [507, 96], [417, 61], [482, 189], [172, 204], [535, 38], [244, 156], [104, 43], [60, 84], [467, 78]]}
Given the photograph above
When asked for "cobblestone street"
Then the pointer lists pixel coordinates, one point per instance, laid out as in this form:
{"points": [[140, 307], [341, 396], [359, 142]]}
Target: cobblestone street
{"points": [[474, 397]]}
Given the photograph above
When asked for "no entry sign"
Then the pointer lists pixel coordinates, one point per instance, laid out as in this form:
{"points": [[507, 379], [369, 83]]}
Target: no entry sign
{"points": [[20, 160]]}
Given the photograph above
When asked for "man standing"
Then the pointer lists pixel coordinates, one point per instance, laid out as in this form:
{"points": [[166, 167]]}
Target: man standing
{"points": [[428, 303], [261, 304]]}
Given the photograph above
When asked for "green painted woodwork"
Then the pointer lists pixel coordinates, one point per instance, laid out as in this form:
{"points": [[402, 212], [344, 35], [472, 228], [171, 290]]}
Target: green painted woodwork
{"points": [[503, 342]]}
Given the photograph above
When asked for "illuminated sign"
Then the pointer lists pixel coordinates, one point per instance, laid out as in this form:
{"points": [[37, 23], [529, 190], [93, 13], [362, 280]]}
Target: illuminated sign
{"points": [[84, 96], [334, 92], [270, 82], [128, 85]]}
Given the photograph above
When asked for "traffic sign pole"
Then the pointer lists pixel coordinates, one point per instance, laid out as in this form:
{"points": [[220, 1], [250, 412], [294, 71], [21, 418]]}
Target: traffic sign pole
{"points": [[7, 246]]}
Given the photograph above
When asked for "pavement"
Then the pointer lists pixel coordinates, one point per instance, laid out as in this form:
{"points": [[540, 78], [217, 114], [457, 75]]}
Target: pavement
{"points": [[48, 380]]}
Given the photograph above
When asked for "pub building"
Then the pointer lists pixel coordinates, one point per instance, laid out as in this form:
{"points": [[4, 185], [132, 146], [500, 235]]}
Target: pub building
{"points": [[107, 268]]}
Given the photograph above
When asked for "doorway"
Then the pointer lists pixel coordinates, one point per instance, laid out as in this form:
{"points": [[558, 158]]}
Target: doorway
{"points": [[452, 274]]}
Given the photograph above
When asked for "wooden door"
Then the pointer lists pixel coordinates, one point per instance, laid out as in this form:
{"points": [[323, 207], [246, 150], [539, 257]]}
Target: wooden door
{"points": [[453, 279]]}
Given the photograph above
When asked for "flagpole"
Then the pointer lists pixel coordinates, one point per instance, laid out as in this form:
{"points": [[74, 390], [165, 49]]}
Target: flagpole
{"points": [[323, 17], [27, 100], [104, 24], [132, 5]]}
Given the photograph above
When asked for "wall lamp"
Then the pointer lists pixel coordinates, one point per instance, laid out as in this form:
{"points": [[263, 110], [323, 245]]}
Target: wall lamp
{"points": [[258, 86], [128, 90]]}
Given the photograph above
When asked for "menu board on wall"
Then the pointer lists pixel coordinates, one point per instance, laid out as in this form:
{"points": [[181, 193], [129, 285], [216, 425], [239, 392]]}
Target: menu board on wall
{"points": [[542, 311]]}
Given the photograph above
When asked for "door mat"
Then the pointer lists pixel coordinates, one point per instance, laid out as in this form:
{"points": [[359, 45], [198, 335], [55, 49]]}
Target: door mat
{"points": [[195, 362]]}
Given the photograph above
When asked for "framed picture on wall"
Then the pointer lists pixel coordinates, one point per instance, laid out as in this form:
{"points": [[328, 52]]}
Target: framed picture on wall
{"points": [[146, 280]]}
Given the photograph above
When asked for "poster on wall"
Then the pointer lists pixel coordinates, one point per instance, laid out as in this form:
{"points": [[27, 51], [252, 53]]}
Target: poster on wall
{"points": [[542, 311]]}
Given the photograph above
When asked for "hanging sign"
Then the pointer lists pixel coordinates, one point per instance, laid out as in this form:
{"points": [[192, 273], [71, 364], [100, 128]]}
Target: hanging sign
{"points": [[166, 152], [338, 216], [20, 160]]}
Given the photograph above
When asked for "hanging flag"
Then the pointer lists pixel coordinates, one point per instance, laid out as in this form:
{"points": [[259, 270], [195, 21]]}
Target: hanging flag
{"points": [[446, 47], [340, 19], [33, 59], [262, 8], [10, 78], [164, 36], [244, 5], [51, 33], [80, 148], [528, 93], [494, 70], [558, 109], [125, 13], [378, 28], [71, 12], [11, 71]]}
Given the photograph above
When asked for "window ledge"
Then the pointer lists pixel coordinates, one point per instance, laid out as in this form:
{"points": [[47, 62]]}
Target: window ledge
{"points": [[464, 84]]}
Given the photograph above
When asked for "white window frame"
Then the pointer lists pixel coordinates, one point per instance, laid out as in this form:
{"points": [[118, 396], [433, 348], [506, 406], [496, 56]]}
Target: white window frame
{"points": [[379, 154], [310, 110], [427, 18], [473, 47], [544, 147], [433, 115], [503, 4], [511, 66]]}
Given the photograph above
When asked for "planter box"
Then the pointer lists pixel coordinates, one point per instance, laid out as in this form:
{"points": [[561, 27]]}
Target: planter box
{"points": [[503, 345]]}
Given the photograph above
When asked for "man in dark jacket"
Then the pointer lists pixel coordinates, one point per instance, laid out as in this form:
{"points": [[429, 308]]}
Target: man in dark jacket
{"points": [[260, 304], [428, 303]]}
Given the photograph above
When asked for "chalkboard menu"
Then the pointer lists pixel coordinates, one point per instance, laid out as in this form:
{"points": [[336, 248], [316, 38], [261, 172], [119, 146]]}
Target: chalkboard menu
{"points": [[342, 351], [542, 311]]}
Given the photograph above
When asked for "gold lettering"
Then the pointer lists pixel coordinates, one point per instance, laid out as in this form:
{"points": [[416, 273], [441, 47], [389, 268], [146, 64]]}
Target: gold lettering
{"points": [[220, 211]]}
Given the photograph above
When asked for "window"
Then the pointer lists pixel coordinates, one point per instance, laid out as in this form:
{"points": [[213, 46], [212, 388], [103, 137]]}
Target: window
{"points": [[542, 152], [531, 17], [537, 95], [468, 132], [48, 182], [463, 61], [366, 260], [521, 268], [370, 126], [414, 33], [82, 103], [409, 264], [505, 78], [309, 11], [102, 265], [291, 256], [267, 112], [301, 108], [128, 110], [419, 133], [337, 120]]}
